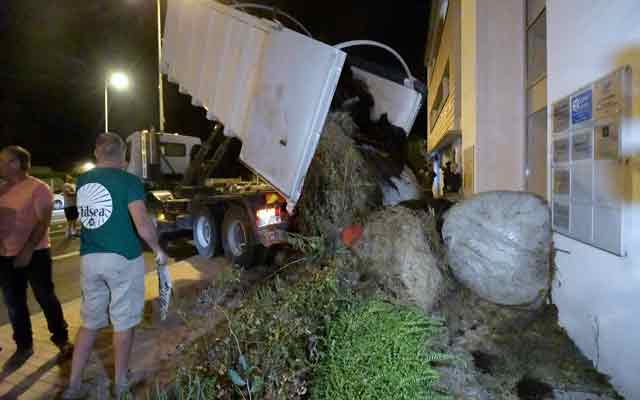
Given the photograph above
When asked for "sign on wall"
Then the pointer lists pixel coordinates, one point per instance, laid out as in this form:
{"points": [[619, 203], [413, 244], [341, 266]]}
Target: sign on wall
{"points": [[581, 107], [561, 116], [589, 185]]}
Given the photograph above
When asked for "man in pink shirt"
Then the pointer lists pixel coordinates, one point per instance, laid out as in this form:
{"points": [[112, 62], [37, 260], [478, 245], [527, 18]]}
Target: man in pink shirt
{"points": [[25, 258]]}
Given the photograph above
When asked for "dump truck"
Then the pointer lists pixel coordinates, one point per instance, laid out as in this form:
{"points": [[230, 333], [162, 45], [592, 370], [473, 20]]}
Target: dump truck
{"points": [[241, 217], [268, 86]]}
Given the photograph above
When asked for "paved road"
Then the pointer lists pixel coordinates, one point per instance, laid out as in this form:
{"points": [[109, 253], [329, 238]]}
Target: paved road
{"points": [[42, 376], [66, 266]]}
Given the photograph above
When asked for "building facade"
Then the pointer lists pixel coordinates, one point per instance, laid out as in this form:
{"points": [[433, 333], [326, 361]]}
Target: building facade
{"points": [[497, 72]]}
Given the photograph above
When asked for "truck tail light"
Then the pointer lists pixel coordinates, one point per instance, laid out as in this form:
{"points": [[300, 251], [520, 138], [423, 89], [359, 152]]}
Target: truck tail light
{"points": [[269, 216]]}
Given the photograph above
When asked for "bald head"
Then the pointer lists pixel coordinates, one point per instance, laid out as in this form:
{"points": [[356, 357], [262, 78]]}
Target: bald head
{"points": [[110, 148]]}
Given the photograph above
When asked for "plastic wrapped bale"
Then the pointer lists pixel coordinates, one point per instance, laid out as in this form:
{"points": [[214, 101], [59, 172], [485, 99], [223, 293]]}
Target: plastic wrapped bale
{"points": [[396, 180], [340, 187], [405, 188], [499, 246], [401, 247]]}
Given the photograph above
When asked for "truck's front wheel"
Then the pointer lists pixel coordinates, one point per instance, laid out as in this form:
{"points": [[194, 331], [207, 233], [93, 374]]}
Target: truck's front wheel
{"points": [[205, 232], [238, 238]]}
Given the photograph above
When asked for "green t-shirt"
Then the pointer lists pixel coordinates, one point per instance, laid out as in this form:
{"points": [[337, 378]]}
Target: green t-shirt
{"points": [[103, 197]]}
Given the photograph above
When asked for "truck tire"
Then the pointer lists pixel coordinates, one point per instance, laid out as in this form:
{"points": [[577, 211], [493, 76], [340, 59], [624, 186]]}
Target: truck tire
{"points": [[205, 232], [238, 238]]}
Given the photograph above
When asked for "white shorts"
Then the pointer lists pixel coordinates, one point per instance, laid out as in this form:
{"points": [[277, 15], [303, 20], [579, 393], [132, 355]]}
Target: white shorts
{"points": [[112, 290]]}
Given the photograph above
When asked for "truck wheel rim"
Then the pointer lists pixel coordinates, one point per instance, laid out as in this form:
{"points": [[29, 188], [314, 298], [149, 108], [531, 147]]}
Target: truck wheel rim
{"points": [[237, 238], [203, 231]]}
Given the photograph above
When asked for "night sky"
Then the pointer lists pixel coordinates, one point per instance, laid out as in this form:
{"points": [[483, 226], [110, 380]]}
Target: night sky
{"points": [[55, 56]]}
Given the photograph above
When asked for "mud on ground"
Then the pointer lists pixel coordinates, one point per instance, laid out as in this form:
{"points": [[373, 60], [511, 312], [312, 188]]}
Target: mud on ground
{"points": [[513, 354]]}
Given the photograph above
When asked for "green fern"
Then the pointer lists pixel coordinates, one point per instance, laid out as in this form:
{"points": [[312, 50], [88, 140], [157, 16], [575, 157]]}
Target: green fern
{"points": [[439, 357], [378, 351]]}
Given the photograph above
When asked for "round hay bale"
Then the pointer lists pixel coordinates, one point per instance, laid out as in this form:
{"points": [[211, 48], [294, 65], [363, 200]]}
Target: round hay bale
{"points": [[400, 246], [340, 187], [498, 246]]}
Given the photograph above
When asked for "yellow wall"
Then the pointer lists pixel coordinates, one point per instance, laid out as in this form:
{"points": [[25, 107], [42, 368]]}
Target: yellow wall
{"points": [[447, 53], [484, 43]]}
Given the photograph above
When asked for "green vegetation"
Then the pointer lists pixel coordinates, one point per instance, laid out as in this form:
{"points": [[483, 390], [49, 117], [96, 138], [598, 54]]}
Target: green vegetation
{"points": [[188, 386], [268, 348], [379, 351], [307, 338]]}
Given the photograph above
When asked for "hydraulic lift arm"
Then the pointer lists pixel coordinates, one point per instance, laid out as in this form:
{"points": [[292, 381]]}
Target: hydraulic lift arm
{"points": [[200, 168]]}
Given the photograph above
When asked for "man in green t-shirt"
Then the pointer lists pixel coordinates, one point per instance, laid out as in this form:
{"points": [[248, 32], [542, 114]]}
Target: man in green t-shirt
{"points": [[110, 202]]}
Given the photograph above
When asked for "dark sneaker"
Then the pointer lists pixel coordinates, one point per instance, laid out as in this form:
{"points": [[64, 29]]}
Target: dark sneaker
{"points": [[76, 392], [66, 351]]}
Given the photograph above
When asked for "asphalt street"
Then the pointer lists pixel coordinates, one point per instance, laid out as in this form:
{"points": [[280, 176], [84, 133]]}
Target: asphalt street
{"points": [[66, 265]]}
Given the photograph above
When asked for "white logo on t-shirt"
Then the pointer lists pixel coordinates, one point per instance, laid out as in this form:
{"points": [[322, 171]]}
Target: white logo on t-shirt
{"points": [[94, 205]]}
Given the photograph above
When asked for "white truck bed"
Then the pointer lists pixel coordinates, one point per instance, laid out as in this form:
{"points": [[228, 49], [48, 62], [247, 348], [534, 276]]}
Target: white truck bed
{"points": [[270, 86]]}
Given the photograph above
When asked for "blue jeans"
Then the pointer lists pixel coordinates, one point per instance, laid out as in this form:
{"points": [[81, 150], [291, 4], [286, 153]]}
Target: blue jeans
{"points": [[14, 289]]}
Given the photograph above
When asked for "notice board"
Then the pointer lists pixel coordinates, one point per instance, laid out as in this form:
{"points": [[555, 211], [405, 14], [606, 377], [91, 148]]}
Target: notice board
{"points": [[590, 184]]}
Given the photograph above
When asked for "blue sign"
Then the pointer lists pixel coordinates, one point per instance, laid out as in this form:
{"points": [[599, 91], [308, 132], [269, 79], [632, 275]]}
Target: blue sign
{"points": [[581, 107]]}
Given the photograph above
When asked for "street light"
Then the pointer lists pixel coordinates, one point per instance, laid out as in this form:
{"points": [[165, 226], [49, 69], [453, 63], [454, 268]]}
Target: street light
{"points": [[119, 81], [87, 166]]}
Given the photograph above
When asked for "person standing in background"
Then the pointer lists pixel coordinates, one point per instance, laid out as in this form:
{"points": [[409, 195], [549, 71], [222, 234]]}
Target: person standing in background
{"points": [[455, 178], [70, 209], [25, 258]]}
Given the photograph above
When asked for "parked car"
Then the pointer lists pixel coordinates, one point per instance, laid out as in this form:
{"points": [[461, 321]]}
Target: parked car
{"points": [[58, 206], [58, 201]]}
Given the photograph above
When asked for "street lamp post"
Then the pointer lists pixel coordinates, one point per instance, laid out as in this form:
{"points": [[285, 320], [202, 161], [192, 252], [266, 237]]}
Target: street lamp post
{"points": [[160, 79], [119, 81], [160, 88]]}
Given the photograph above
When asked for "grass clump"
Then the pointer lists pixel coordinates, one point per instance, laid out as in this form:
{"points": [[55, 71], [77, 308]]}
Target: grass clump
{"points": [[304, 338], [377, 350], [187, 386], [268, 348]]}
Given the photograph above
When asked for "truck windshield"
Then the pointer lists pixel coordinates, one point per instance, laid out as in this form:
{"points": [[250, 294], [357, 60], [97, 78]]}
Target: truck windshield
{"points": [[173, 149]]}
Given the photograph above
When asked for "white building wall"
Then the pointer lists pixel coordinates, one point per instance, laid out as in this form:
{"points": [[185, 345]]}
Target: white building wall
{"points": [[500, 82], [598, 294], [469, 94]]}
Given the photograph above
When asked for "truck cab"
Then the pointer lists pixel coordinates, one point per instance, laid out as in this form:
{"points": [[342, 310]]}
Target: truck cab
{"points": [[169, 152], [241, 217]]}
